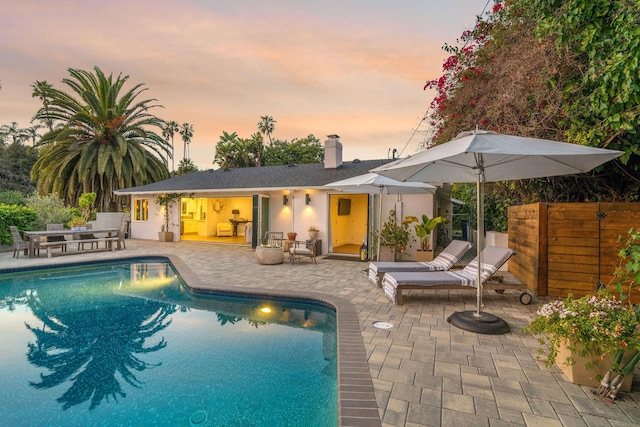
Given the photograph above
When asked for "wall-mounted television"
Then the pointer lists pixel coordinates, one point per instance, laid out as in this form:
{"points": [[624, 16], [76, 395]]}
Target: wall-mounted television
{"points": [[344, 206]]}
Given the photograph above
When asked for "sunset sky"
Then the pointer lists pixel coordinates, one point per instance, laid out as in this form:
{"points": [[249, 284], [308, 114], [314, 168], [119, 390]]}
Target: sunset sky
{"points": [[355, 68]]}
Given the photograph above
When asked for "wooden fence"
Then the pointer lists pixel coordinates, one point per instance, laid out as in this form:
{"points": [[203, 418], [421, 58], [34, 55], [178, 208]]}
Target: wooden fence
{"points": [[567, 248]]}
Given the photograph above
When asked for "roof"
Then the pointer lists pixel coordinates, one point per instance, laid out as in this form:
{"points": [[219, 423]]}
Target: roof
{"points": [[281, 177]]}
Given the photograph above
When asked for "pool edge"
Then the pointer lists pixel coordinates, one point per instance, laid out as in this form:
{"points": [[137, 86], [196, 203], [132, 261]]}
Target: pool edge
{"points": [[357, 405]]}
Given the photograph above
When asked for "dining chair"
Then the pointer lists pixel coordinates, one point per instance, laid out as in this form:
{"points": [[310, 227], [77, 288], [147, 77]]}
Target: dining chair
{"points": [[19, 244]]}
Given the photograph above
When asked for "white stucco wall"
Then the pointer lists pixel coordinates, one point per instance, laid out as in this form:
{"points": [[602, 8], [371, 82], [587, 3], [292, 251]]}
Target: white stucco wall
{"points": [[282, 216]]}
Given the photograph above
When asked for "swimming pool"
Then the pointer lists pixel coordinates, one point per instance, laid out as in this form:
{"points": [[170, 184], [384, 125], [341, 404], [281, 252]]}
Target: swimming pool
{"points": [[126, 343]]}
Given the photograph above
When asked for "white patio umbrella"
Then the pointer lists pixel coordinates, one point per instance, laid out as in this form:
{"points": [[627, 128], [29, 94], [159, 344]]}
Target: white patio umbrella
{"points": [[482, 156], [372, 183]]}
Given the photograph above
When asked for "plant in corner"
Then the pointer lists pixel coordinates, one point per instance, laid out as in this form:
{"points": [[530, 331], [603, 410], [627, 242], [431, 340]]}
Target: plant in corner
{"points": [[313, 232], [425, 227], [597, 325], [167, 201], [395, 234]]}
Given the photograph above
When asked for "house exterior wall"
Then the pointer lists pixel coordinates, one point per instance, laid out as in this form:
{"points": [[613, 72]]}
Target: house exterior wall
{"points": [[295, 216]]}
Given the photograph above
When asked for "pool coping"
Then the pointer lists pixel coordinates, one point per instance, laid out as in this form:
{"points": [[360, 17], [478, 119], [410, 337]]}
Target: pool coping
{"points": [[357, 405]]}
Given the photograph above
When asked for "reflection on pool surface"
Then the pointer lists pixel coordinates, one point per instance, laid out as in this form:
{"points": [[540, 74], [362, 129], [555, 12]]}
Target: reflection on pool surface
{"points": [[127, 344]]}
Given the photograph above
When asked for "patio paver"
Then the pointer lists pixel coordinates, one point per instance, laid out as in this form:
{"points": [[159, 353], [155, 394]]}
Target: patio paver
{"points": [[425, 372]]}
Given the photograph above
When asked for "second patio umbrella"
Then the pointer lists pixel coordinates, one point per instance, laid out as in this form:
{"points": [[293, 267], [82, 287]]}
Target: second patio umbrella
{"points": [[372, 183], [482, 156]]}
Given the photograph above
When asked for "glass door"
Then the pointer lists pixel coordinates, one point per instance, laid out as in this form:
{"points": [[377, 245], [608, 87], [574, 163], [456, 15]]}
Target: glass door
{"points": [[261, 213]]}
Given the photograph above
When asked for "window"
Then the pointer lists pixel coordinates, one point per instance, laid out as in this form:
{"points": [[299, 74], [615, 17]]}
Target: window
{"points": [[141, 210]]}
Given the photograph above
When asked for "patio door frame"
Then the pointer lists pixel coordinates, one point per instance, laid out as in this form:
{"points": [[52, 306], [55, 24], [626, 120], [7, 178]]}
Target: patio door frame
{"points": [[261, 217]]}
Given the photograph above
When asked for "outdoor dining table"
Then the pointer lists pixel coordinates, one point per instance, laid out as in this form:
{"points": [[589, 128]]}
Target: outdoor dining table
{"points": [[32, 236]]}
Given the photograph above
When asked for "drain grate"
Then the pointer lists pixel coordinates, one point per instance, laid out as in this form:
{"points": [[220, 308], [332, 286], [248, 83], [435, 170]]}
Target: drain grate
{"points": [[382, 325]]}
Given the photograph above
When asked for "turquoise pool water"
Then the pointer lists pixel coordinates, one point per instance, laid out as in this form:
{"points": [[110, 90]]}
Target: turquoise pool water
{"points": [[128, 344]]}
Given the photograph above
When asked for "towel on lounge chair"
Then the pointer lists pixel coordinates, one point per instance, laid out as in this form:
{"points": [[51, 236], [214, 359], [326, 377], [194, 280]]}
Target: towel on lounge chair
{"points": [[444, 261], [492, 259]]}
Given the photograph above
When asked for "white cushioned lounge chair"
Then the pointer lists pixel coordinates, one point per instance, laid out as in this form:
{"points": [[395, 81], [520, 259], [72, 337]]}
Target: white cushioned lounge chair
{"points": [[492, 259], [444, 261]]}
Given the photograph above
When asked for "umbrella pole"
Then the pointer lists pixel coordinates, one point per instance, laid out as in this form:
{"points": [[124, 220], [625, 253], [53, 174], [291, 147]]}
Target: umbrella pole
{"points": [[379, 225], [479, 243], [477, 321]]}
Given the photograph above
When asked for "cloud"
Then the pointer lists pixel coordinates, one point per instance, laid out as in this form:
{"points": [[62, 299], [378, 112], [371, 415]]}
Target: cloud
{"points": [[354, 68]]}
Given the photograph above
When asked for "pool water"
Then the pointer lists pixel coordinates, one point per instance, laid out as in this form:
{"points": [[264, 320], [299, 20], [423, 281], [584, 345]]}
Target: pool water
{"points": [[128, 344]]}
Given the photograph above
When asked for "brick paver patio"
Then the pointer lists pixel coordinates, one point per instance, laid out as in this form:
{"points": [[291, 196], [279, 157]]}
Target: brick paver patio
{"points": [[425, 372]]}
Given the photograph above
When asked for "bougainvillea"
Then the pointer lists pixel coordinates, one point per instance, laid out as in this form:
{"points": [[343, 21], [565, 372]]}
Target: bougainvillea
{"points": [[556, 69]]}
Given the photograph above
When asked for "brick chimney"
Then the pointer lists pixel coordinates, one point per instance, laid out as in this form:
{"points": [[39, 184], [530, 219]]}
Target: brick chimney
{"points": [[332, 152]]}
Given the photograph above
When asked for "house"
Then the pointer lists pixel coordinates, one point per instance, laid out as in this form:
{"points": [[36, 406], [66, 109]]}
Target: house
{"points": [[276, 198]]}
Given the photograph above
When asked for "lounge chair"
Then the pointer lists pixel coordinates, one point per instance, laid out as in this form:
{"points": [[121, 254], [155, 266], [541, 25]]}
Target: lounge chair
{"points": [[492, 259], [447, 259]]}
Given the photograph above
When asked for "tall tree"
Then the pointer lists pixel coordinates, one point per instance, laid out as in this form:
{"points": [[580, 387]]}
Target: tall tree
{"points": [[168, 132], [266, 125], [16, 161], [186, 132], [32, 133], [186, 167], [41, 90], [103, 139], [12, 132], [170, 129], [235, 152], [300, 151]]}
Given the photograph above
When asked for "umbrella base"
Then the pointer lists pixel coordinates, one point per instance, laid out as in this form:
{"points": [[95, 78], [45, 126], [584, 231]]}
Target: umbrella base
{"points": [[485, 323]]}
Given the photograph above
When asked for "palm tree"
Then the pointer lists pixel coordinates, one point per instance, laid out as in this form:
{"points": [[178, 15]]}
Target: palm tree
{"points": [[185, 167], [16, 134], [104, 139], [41, 90], [186, 132], [170, 129], [89, 353], [266, 125], [32, 133]]}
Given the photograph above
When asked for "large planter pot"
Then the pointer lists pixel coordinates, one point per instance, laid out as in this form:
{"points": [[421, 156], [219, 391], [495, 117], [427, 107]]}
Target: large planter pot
{"points": [[268, 255], [165, 236], [424, 256], [387, 253], [313, 235], [578, 372]]}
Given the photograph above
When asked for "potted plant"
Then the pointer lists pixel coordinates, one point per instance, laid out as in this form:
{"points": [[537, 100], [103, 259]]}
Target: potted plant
{"points": [[595, 339], [313, 232], [167, 201], [394, 236], [291, 235], [77, 223], [423, 228]]}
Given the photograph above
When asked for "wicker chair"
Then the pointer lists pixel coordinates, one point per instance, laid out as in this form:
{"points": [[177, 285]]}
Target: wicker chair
{"points": [[296, 252], [19, 244]]}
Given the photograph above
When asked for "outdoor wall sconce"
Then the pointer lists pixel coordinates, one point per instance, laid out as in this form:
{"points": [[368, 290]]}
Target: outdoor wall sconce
{"points": [[285, 200], [307, 199]]}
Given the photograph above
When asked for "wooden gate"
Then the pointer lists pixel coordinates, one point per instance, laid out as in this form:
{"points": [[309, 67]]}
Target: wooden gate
{"points": [[565, 248]]}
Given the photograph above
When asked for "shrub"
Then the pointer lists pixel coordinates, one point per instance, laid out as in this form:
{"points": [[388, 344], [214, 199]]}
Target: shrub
{"points": [[20, 216], [12, 198], [50, 210]]}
